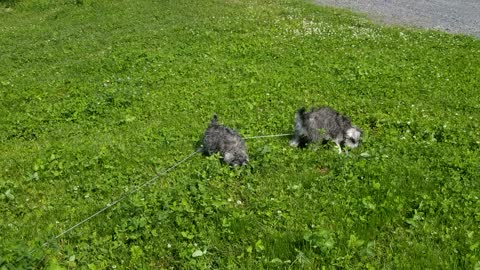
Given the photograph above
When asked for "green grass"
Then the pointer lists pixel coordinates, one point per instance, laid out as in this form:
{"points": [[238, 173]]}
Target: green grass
{"points": [[96, 96]]}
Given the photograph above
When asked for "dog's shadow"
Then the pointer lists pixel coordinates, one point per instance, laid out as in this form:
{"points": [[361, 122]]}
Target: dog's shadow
{"points": [[304, 144]]}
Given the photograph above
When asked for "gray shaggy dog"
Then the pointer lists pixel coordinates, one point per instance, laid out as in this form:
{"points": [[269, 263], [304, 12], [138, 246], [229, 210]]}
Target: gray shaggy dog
{"points": [[322, 124], [226, 141]]}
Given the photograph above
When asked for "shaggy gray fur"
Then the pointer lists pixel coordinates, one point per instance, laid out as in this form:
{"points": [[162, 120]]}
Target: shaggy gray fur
{"points": [[322, 124], [220, 139]]}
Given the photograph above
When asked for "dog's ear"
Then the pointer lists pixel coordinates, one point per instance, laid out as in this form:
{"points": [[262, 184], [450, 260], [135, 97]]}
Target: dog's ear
{"points": [[354, 132], [360, 132]]}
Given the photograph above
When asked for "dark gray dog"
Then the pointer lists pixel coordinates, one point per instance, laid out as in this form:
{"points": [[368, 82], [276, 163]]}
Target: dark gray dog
{"points": [[220, 139], [322, 124]]}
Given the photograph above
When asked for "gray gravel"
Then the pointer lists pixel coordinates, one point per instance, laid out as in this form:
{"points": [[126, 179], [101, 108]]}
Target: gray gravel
{"points": [[453, 16]]}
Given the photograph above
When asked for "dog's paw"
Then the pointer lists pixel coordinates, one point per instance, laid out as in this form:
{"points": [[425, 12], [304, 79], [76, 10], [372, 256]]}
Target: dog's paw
{"points": [[294, 143]]}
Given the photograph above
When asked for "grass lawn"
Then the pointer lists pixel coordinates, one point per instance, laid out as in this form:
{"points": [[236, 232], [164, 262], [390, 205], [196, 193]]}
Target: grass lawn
{"points": [[98, 96]]}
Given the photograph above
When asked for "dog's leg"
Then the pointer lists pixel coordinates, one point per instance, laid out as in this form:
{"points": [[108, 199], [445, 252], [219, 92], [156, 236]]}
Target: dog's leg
{"points": [[294, 142], [339, 147]]}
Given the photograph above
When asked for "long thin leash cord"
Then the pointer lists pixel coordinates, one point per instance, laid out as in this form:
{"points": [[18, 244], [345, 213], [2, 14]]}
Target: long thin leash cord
{"points": [[121, 198]]}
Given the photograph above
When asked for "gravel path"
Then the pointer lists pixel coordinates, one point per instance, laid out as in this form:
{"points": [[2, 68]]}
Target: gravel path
{"points": [[453, 16]]}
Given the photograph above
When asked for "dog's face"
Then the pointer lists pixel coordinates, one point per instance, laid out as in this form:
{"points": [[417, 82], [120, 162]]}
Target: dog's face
{"points": [[353, 135], [236, 158]]}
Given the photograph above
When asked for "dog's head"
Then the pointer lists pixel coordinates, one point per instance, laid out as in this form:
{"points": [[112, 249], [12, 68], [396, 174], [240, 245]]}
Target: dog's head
{"points": [[352, 137], [236, 158]]}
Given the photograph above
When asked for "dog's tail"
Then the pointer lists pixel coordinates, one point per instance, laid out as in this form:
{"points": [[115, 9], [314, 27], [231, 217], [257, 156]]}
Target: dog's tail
{"points": [[300, 115], [214, 119]]}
